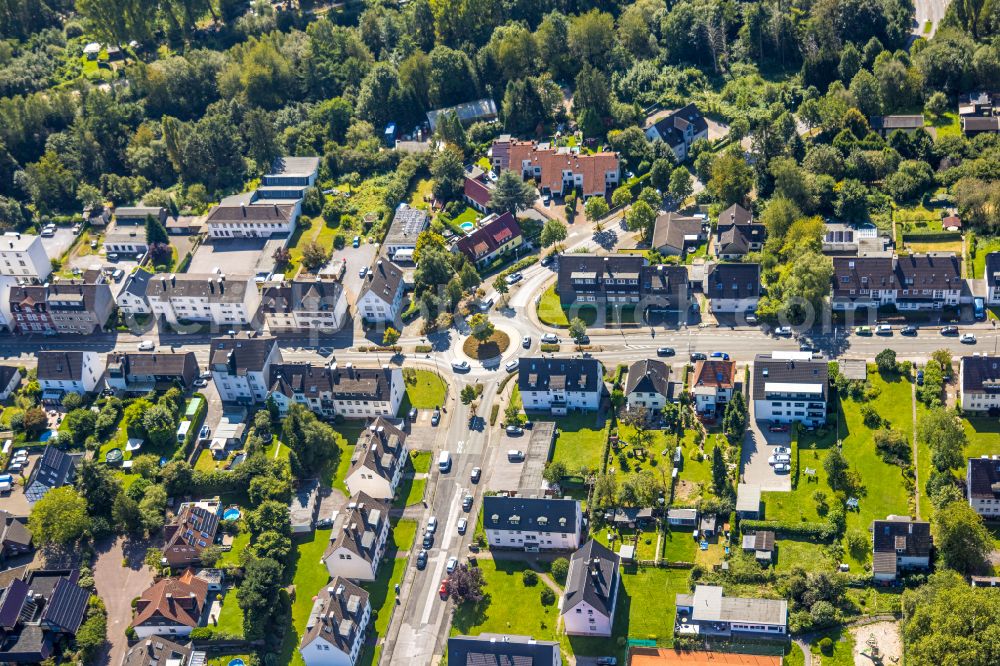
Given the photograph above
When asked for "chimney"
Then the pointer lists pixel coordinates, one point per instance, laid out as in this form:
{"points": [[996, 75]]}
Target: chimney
{"points": [[243, 209], [211, 286]]}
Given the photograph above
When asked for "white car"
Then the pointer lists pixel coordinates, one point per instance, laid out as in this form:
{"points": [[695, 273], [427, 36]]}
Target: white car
{"points": [[147, 345], [511, 365], [968, 339], [432, 524], [463, 525], [883, 329], [452, 563], [782, 467], [550, 338], [777, 459], [783, 330], [513, 278], [363, 272], [781, 450]]}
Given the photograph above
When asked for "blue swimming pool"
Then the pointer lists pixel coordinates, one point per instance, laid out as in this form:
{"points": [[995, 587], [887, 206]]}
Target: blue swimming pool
{"points": [[467, 226], [44, 437], [236, 662], [231, 513]]}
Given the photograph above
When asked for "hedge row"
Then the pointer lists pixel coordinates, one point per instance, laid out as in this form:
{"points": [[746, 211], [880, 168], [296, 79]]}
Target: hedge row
{"points": [[824, 531]]}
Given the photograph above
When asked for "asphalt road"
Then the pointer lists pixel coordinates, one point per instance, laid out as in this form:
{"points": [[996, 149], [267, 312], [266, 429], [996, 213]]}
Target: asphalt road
{"points": [[927, 10]]}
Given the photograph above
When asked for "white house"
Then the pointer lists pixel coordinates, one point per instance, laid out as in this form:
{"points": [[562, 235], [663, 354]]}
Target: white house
{"points": [[679, 130], [915, 282], [204, 297], [241, 365], [560, 384], [23, 256], [648, 385], [979, 379], [532, 523], [591, 594], [732, 287], [790, 387], [712, 384], [10, 379], [708, 612], [378, 460], [358, 540], [333, 390], [61, 372], [992, 275], [132, 298], [171, 606], [338, 621], [381, 296], [899, 543], [982, 483]]}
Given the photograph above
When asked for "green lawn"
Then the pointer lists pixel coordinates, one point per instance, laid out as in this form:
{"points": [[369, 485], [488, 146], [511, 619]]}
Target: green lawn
{"points": [[843, 648], [984, 436], [794, 656], [232, 557], [550, 310], [509, 607], [470, 214], [810, 556], [231, 616], [936, 246], [644, 551], [381, 591], [697, 473], [348, 438], [580, 442], [424, 390], [799, 505], [421, 189], [948, 124], [308, 577], [679, 546], [403, 534], [410, 492], [421, 461], [983, 247]]}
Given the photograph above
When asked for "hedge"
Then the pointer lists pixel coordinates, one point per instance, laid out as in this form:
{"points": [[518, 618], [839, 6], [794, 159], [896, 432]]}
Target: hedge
{"points": [[519, 266], [549, 348], [824, 531]]}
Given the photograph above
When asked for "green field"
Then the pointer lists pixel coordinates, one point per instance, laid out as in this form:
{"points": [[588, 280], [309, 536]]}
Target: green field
{"points": [[550, 310], [983, 247], [984, 436], [424, 390], [510, 607], [580, 442], [420, 461], [403, 534], [679, 546], [799, 505], [843, 648], [791, 553], [232, 557], [410, 492], [231, 617]]}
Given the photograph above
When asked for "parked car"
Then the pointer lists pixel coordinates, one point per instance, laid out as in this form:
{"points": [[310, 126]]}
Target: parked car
{"points": [[436, 417], [782, 467], [778, 427], [356, 242], [467, 502], [413, 414], [443, 590], [432, 524], [606, 661], [808, 347], [200, 383], [783, 331], [513, 278], [774, 460], [968, 339], [665, 351], [460, 366], [428, 540], [979, 308], [486, 305], [422, 559], [205, 433], [118, 275], [949, 330], [752, 319], [908, 330], [147, 345], [452, 563], [723, 355], [463, 524], [363, 272], [699, 356], [920, 377], [546, 260], [526, 341], [476, 474], [781, 450], [511, 365], [513, 455], [550, 339], [883, 329], [862, 330]]}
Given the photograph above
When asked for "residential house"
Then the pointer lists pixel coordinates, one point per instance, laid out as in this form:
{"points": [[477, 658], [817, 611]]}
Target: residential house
{"points": [[560, 384], [381, 297], [70, 307], [972, 125], [241, 366], [679, 130], [496, 236], [359, 538], [378, 460], [337, 624], [146, 371], [332, 391], [736, 235], [992, 275], [292, 173], [477, 190], [675, 235], [761, 544], [622, 279], [131, 300], [532, 523], [185, 225], [10, 379], [15, 537], [982, 483], [127, 241], [407, 223], [23, 256], [708, 612], [191, 531], [245, 215], [54, 469], [733, 287], [712, 384], [222, 300], [648, 385], [159, 651], [915, 282], [898, 544], [951, 223], [885, 125], [682, 517], [304, 506], [171, 606], [979, 382], [136, 215], [304, 304], [39, 612], [62, 372], [979, 103], [557, 170], [496, 649], [790, 387], [748, 501], [484, 110], [591, 594]]}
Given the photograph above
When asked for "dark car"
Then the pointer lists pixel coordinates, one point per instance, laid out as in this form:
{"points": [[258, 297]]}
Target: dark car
{"points": [[949, 330], [467, 502], [699, 356], [476, 474], [428, 539], [807, 347], [606, 661], [920, 377], [908, 330], [422, 559], [665, 351], [777, 427]]}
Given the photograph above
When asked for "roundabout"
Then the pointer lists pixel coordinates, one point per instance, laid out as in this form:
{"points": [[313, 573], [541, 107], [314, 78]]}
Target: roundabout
{"points": [[491, 347]]}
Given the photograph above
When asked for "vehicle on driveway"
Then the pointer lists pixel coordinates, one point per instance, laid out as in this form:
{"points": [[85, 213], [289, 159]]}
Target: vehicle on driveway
{"points": [[665, 351], [778, 427], [606, 661], [949, 330], [908, 330], [968, 339], [477, 473], [781, 450], [460, 366], [979, 308], [205, 433], [413, 414], [782, 467], [200, 383], [774, 460], [514, 431]]}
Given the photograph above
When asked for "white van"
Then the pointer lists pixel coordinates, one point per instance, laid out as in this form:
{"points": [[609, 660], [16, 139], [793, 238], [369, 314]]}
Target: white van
{"points": [[182, 431], [444, 461]]}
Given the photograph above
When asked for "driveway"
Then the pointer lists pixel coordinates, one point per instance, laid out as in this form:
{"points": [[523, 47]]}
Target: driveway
{"points": [[237, 256], [757, 446], [59, 243], [117, 586], [356, 258]]}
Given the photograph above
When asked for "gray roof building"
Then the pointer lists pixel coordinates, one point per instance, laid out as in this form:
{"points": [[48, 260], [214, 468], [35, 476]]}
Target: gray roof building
{"points": [[55, 468], [559, 374], [358, 526], [160, 651], [502, 650], [242, 353], [339, 615], [733, 281], [674, 234], [776, 374], [406, 225], [545, 514], [593, 578], [714, 613], [648, 376]]}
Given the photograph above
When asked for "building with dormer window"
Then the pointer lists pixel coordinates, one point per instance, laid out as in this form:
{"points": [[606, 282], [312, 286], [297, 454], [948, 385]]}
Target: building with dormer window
{"points": [[495, 237], [378, 460], [359, 538], [337, 624], [679, 130], [560, 384], [241, 366], [591, 594], [532, 523], [915, 282], [899, 543]]}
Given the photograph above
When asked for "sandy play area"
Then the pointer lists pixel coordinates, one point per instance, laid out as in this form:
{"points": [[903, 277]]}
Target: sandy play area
{"points": [[887, 638]]}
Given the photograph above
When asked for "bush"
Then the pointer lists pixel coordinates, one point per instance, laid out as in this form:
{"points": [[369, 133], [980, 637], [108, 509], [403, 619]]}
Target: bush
{"points": [[529, 577], [826, 646], [560, 569], [548, 596]]}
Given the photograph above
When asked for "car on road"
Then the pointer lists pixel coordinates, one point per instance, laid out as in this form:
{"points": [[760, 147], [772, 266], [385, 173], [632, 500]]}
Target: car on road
{"points": [[550, 339], [784, 331], [782, 467], [514, 455], [862, 330], [752, 319], [413, 414], [460, 366], [511, 365], [432, 524], [477, 473], [463, 525], [443, 590], [968, 339], [513, 278], [428, 539], [699, 356], [908, 330], [467, 502], [782, 458], [452, 563], [514, 431], [781, 450], [422, 559], [204, 433], [920, 377], [546, 260], [436, 417], [147, 345], [665, 351], [949, 330], [363, 272], [883, 329], [778, 427], [808, 347], [485, 305], [723, 355], [526, 341], [606, 661], [200, 383]]}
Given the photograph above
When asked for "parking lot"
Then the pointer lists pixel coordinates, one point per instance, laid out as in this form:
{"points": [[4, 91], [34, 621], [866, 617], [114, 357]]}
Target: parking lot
{"points": [[235, 256], [523, 476], [356, 259], [56, 245], [422, 435], [15, 502], [758, 445]]}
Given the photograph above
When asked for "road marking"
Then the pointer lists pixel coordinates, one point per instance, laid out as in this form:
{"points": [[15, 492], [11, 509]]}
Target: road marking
{"points": [[460, 447]]}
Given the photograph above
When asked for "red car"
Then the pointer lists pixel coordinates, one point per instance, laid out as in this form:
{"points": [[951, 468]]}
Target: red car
{"points": [[443, 590], [778, 428]]}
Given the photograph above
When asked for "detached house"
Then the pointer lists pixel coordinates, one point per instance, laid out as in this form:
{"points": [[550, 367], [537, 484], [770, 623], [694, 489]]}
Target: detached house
{"points": [[407, 223], [15, 537], [708, 612], [560, 384], [358, 540], [899, 543], [241, 366], [191, 531], [378, 460], [557, 170], [381, 297], [916, 282], [674, 235], [54, 469], [496, 236], [171, 606], [733, 287], [712, 384], [790, 387], [477, 190], [304, 304], [992, 275], [982, 483], [532, 523], [736, 235], [331, 391], [591, 594], [159, 651], [979, 382], [62, 372], [337, 624], [223, 300], [648, 385], [131, 300], [679, 130], [10, 379]]}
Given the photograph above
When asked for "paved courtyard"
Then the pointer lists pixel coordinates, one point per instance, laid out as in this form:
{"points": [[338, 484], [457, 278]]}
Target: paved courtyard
{"points": [[236, 256], [757, 446], [117, 585]]}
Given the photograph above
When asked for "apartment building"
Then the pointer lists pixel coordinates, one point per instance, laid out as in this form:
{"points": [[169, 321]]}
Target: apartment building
{"points": [[132, 297], [381, 297], [648, 385], [736, 235], [304, 304], [732, 287], [712, 384], [358, 540], [333, 390], [378, 460], [24, 257], [915, 282], [145, 371], [622, 279], [337, 625], [557, 170], [223, 300], [560, 385], [790, 387], [982, 484], [591, 593], [61, 372], [992, 275], [899, 544], [679, 130], [979, 383], [66, 307], [241, 366], [532, 524]]}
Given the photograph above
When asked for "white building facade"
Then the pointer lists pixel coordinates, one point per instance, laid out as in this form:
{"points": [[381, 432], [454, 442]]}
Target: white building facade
{"points": [[23, 256]]}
